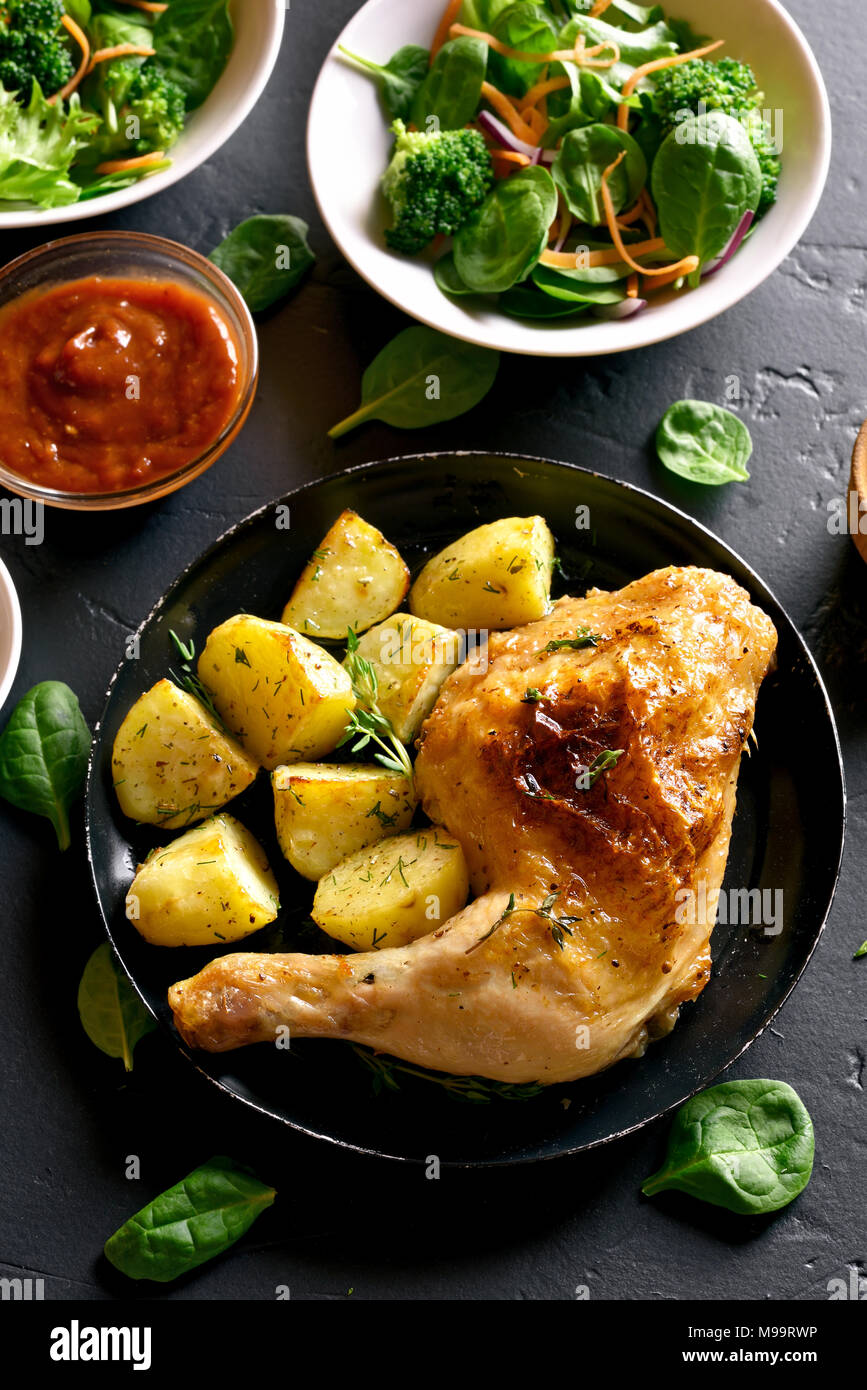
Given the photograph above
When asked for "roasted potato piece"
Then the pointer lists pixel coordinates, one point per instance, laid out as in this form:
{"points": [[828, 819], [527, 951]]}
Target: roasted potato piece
{"points": [[354, 578], [285, 698], [172, 763], [325, 811], [387, 896], [411, 658], [497, 576], [210, 885]]}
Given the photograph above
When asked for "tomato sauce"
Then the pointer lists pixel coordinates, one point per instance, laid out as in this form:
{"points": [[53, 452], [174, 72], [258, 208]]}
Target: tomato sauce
{"points": [[108, 383]]}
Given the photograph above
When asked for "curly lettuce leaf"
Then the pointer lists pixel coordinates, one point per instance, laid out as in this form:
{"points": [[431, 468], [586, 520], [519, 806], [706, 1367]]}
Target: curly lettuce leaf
{"points": [[38, 144]]}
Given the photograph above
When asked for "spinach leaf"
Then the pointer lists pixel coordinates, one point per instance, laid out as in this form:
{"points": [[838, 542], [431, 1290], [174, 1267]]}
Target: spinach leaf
{"points": [[521, 302], [482, 14], [745, 1145], [266, 257], [704, 443], [862, 951], [705, 177], [421, 378], [43, 754], [582, 160], [198, 1218], [79, 10], [506, 237], [566, 285], [630, 15], [447, 278], [636, 48], [193, 40], [528, 28], [589, 97], [112, 1014], [399, 79], [450, 94]]}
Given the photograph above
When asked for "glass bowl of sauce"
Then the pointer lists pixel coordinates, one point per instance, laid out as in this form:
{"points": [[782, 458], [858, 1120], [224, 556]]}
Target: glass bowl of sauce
{"points": [[128, 364]]}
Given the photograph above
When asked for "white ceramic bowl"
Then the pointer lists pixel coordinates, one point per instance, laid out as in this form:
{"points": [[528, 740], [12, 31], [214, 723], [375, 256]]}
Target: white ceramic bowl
{"points": [[348, 146], [10, 633], [258, 32]]}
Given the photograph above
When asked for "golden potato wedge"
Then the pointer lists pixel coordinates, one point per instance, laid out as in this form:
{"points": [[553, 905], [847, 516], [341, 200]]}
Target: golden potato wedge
{"points": [[211, 885], [354, 578], [172, 764], [401, 889], [325, 811], [284, 698], [497, 576], [411, 658]]}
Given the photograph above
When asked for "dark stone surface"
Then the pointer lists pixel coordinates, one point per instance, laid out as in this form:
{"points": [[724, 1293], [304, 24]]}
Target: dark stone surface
{"points": [[70, 1119]]}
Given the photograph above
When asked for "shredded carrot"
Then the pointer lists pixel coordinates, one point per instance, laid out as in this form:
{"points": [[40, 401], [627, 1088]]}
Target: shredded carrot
{"points": [[588, 260], [452, 10], [543, 89], [586, 57], [656, 66], [504, 108], [632, 287], [599, 8], [662, 281], [84, 44], [119, 166], [686, 266], [625, 219], [120, 50], [649, 211], [536, 121], [149, 6], [510, 157]]}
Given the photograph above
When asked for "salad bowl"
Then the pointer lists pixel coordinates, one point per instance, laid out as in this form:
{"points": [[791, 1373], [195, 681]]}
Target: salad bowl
{"points": [[345, 176]]}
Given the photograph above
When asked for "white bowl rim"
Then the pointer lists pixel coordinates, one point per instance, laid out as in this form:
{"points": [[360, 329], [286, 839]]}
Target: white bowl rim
{"points": [[547, 345], [179, 169], [8, 675]]}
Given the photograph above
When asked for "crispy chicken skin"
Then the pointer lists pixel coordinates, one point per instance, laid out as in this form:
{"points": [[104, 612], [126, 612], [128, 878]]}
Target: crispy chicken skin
{"points": [[672, 681]]}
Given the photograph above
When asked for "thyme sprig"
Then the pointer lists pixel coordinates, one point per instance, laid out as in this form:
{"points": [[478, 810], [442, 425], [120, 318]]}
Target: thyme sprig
{"points": [[477, 1090], [367, 724], [583, 638], [557, 925]]}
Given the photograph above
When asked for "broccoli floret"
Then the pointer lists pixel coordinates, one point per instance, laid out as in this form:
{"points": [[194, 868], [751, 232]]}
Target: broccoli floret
{"points": [[434, 182], [725, 85], [159, 107], [32, 47]]}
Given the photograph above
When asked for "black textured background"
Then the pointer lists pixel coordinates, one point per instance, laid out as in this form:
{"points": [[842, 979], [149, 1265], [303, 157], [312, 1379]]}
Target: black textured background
{"points": [[70, 1119]]}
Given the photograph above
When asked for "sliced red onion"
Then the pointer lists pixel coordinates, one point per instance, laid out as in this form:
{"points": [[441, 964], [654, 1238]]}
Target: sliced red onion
{"points": [[624, 310], [725, 256], [499, 131]]}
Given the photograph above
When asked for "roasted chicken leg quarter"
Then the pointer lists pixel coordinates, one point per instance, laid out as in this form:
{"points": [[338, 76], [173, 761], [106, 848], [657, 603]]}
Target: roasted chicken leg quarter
{"points": [[576, 949]]}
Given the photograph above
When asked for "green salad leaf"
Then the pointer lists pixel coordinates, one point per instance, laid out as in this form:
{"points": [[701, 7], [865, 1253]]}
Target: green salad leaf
{"points": [[265, 257], [43, 755], [526, 28], [704, 443], [744, 1145], [500, 245], [581, 161], [38, 143], [193, 41], [421, 378], [111, 1012], [705, 177], [450, 94], [399, 79], [200, 1217]]}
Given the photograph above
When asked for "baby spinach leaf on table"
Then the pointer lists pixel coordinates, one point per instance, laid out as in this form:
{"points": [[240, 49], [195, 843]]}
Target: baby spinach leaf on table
{"points": [[198, 1218], [399, 79], [581, 161], [421, 378], [506, 237], [451, 92], [527, 28], [193, 41], [705, 177], [862, 951], [112, 1014], [265, 257], [704, 443], [43, 755], [745, 1145]]}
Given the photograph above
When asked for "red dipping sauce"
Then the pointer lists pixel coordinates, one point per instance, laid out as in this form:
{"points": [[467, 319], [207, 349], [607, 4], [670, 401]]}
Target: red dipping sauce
{"points": [[110, 383]]}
